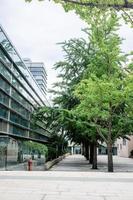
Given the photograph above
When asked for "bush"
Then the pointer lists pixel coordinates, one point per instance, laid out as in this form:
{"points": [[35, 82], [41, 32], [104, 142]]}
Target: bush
{"points": [[52, 154], [34, 147]]}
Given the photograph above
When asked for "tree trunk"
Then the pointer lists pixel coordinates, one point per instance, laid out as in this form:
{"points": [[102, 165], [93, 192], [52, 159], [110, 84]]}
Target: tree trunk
{"points": [[87, 151], [110, 157], [91, 153], [94, 163], [109, 143], [82, 149]]}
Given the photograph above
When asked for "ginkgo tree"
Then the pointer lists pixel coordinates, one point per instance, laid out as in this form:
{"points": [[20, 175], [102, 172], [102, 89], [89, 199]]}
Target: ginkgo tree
{"points": [[95, 94], [106, 103], [103, 87], [105, 94]]}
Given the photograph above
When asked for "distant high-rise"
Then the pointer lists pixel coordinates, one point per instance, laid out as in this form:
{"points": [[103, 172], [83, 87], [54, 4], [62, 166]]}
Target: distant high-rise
{"points": [[38, 71]]}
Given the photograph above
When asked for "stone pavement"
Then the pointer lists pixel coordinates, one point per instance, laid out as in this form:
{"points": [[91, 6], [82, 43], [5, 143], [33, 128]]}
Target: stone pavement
{"points": [[79, 163], [72, 184], [53, 185]]}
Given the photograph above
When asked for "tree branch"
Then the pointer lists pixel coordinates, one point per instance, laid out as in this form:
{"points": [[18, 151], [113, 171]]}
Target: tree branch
{"points": [[125, 4], [99, 131], [127, 15]]}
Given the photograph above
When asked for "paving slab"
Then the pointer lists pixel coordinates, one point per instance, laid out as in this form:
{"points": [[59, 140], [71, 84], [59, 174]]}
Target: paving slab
{"points": [[79, 163], [65, 186], [76, 183]]}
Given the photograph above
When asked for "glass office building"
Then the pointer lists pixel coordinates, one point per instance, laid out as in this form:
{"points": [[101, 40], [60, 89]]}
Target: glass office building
{"points": [[38, 71], [20, 95]]}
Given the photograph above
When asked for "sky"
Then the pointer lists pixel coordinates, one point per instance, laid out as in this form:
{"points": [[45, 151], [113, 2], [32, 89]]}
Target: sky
{"points": [[36, 28]]}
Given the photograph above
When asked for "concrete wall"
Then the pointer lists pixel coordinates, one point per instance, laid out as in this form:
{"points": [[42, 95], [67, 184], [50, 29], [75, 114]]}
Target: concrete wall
{"points": [[124, 147], [130, 145]]}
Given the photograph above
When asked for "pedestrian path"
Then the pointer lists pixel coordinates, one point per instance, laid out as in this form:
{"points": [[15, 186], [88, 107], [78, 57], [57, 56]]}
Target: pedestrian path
{"points": [[69, 185], [79, 163], [72, 163], [71, 179]]}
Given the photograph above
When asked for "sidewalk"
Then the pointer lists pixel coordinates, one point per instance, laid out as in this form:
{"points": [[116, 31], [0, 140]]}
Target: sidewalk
{"points": [[71, 179], [65, 185], [79, 163]]}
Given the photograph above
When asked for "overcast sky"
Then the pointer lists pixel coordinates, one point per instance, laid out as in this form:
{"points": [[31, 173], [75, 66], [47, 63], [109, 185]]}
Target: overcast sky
{"points": [[35, 28]]}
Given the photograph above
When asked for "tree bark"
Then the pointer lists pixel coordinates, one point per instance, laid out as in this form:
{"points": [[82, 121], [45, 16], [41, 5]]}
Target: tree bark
{"points": [[83, 149], [109, 143], [110, 157], [91, 153], [87, 151], [94, 163]]}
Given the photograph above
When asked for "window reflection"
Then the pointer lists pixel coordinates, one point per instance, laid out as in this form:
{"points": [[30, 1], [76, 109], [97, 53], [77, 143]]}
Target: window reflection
{"points": [[5, 72], [5, 59], [4, 85], [3, 112], [18, 120], [18, 131], [17, 107], [4, 98], [20, 99], [3, 126]]}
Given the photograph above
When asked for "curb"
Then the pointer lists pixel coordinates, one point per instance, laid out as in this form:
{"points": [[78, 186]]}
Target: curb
{"points": [[50, 164]]}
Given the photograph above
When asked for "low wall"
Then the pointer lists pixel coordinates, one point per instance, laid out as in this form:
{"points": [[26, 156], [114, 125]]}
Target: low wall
{"points": [[49, 164]]}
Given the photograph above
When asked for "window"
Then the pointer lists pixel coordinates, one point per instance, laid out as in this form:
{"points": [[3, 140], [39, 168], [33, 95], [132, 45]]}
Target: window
{"points": [[17, 131], [29, 96], [17, 107], [38, 136], [3, 126], [5, 72], [36, 69], [124, 141], [20, 99], [4, 98], [27, 74], [4, 58], [40, 81], [18, 120], [3, 112], [4, 85], [35, 73]]}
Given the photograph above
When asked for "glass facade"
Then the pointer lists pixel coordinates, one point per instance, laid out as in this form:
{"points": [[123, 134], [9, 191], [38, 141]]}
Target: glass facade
{"points": [[20, 95]]}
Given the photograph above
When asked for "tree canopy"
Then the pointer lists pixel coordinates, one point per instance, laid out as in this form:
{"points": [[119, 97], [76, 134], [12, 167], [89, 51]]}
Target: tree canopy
{"points": [[94, 96], [87, 8], [119, 4]]}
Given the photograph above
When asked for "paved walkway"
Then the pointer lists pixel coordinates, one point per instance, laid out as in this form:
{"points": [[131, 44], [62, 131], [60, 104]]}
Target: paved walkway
{"points": [[79, 163], [69, 180], [54, 185]]}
